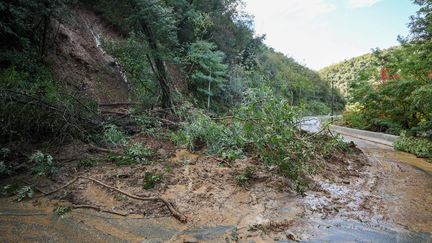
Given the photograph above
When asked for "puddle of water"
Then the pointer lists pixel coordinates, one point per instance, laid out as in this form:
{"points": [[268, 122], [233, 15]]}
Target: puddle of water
{"points": [[351, 231]]}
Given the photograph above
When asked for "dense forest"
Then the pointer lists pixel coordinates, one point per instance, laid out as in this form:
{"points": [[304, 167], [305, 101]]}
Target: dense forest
{"points": [[391, 90]]}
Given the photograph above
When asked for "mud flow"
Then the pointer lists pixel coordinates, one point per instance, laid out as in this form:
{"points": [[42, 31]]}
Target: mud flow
{"points": [[382, 198]]}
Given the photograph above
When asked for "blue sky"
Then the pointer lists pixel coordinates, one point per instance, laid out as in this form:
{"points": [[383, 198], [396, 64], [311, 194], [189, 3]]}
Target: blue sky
{"points": [[318, 33]]}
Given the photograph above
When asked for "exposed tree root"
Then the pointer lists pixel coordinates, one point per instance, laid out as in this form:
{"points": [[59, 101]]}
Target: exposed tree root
{"points": [[174, 212], [119, 104], [103, 150]]}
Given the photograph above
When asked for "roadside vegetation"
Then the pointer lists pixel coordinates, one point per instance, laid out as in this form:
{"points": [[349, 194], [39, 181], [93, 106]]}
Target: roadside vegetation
{"points": [[391, 90]]}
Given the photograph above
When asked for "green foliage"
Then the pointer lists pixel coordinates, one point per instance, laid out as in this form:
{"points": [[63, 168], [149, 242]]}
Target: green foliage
{"points": [[33, 106], [207, 70], [421, 147], [347, 73], [265, 125], [354, 118], [295, 83], [136, 153], [23, 23], [246, 176], [112, 135], [151, 179], [149, 125], [24, 192], [43, 164], [400, 97], [86, 163], [203, 131], [7, 190], [131, 55], [62, 210], [139, 152], [393, 107], [5, 170]]}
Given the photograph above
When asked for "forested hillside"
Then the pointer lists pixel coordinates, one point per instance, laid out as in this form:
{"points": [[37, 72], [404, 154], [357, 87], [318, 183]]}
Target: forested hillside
{"points": [[348, 72], [169, 51]]}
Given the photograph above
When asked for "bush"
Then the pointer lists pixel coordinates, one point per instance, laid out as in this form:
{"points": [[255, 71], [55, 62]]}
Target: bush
{"points": [[34, 106], [151, 179], [7, 190], [203, 131], [86, 163], [43, 164], [24, 192], [112, 135], [421, 147], [136, 153], [354, 118], [265, 125], [129, 54], [246, 176]]}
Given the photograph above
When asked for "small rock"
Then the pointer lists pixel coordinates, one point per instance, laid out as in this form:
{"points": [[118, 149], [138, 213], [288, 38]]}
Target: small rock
{"points": [[291, 236], [162, 152], [190, 239]]}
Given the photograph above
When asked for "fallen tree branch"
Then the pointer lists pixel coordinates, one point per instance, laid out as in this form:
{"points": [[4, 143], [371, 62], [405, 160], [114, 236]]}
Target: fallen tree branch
{"points": [[116, 113], [60, 188], [119, 104], [103, 150], [174, 212]]}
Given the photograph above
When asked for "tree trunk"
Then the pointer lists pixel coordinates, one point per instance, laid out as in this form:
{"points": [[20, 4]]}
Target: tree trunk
{"points": [[160, 70]]}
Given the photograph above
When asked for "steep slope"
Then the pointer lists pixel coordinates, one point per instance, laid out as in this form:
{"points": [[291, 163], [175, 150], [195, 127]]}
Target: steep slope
{"points": [[78, 60]]}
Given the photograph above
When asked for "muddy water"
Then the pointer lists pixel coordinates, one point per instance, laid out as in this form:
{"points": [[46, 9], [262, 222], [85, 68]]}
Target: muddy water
{"points": [[401, 195]]}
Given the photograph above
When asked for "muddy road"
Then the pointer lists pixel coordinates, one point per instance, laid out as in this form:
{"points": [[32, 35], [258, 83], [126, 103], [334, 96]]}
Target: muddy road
{"points": [[386, 198]]}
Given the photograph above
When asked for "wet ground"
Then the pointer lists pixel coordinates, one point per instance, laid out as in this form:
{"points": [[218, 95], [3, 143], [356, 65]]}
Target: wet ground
{"points": [[387, 199], [398, 201]]}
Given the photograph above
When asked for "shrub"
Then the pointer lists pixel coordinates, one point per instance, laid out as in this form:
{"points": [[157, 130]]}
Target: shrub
{"points": [[265, 125], [34, 105], [151, 179], [7, 190], [137, 153], [354, 118], [136, 69], [112, 135], [62, 210], [85, 163], [244, 178], [24, 192], [203, 131], [421, 147], [43, 164]]}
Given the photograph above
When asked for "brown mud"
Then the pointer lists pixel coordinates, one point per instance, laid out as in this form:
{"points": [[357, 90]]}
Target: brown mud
{"points": [[352, 197]]}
